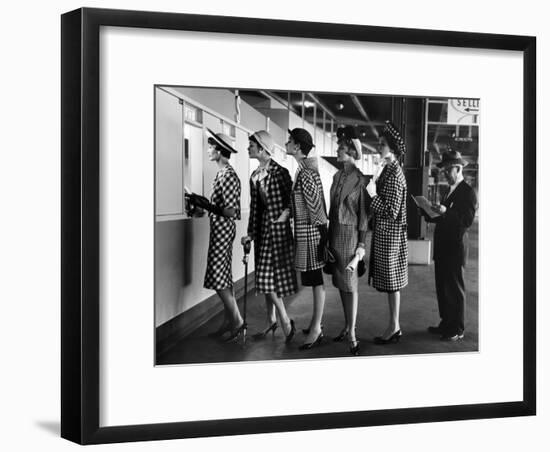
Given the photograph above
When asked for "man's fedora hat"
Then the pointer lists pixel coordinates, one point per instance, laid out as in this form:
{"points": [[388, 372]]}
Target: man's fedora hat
{"points": [[222, 140], [451, 158]]}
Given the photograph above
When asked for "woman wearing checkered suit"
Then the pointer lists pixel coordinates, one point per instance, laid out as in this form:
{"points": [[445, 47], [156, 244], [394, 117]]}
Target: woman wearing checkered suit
{"points": [[310, 228], [224, 208], [388, 269], [348, 224], [269, 229]]}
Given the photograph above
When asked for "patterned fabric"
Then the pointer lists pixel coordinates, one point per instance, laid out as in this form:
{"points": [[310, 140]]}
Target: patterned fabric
{"points": [[273, 244], [226, 190], [226, 193], [388, 269], [309, 212], [348, 223]]}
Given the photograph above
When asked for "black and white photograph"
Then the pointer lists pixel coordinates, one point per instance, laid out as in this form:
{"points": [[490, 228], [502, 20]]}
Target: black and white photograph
{"points": [[289, 225], [295, 225]]}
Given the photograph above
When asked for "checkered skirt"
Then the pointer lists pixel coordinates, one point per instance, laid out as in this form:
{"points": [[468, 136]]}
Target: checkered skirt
{"points": [[274, 265], [343, 243], [219, 274]]}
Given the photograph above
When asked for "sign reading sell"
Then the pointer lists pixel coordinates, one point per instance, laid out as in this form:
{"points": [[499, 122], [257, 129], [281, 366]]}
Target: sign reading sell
{"points": [[463, 111]]}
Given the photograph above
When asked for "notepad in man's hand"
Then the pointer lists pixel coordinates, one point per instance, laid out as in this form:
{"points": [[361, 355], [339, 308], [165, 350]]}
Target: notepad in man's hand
{"points": [[425, 205]]}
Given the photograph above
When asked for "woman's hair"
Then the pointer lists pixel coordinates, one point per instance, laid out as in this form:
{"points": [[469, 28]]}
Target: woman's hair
{"points": [[305, 147], [224, 152]]}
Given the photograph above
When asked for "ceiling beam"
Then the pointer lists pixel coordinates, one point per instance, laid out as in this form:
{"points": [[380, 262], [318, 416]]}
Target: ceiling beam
{"points": [[322, 106], [357, 102], [277, 98]]}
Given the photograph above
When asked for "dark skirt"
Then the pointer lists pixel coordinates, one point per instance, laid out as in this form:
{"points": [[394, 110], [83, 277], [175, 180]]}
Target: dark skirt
{"points": [[312, 278]]}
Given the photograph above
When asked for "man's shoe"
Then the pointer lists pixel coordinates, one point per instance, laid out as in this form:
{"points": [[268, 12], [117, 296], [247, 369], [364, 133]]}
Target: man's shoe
{"points": [[453, 338]]}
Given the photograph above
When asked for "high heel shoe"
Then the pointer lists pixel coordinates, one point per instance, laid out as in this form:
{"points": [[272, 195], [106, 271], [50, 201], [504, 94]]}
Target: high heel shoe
{"points": [[292, 332], [262, 334], [307, 330], [343, 334], [220, 331], [393, 339], [236, 333], [309, 345], [354, 347]]}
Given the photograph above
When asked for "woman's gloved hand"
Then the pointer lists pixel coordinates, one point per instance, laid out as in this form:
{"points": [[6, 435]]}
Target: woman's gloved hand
{"points": [[203, 203]]}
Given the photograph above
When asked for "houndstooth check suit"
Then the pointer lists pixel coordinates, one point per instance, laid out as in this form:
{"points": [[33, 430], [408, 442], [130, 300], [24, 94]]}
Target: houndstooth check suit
{"points": [[388, 266], [226, 193], [273, 244], [308, 212]]}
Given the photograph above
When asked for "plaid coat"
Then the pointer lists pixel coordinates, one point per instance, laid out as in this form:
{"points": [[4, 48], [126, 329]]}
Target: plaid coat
{"points": [[309, 212], [273, 243], [388, 267]]}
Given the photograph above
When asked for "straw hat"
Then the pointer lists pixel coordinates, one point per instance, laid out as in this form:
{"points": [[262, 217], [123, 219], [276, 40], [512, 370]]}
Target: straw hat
{"points": [[222, 140], [265, 140]]}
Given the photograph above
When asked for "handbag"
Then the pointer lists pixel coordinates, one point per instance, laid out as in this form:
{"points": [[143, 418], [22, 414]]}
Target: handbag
{"points": [[330, 261], [361, 268]]}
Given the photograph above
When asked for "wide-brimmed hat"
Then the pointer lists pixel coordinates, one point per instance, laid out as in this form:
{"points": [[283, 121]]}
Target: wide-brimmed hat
{"points": [[222, 140], [265, 140], [301, 136], [451, 158], [350, 133]]}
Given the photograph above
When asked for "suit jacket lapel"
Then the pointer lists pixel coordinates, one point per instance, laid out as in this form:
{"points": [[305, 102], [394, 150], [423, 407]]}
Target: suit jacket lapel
{"points": [[449, 199], [351, 182], [271, 173]]}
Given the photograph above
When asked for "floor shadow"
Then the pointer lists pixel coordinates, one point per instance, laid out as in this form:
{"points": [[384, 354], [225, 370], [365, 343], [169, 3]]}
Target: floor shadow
{"points": [[53, 427]]}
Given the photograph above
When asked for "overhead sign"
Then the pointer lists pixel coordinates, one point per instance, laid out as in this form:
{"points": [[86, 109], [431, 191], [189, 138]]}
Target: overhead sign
{"points": [[463, 111]]}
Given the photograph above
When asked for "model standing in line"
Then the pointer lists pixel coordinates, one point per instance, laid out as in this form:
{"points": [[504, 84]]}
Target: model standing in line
{"points": [[224, 208], [269, 229], [308, 211], [348, 224], [388, 264]]}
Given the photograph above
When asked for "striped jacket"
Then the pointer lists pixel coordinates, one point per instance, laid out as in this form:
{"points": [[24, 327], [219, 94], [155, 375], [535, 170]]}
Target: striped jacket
{"points": [[308, 211]]}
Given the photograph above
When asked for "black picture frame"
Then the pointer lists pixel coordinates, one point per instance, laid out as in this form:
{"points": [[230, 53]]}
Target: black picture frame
{"points": [[80, 201]]}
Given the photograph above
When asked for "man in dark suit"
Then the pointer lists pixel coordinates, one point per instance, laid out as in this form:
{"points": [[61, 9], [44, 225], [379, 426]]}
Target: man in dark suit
{"points": [[456, 215]]}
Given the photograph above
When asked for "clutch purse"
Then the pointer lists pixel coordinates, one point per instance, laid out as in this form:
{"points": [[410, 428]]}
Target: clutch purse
{"points": [[330, 261]]}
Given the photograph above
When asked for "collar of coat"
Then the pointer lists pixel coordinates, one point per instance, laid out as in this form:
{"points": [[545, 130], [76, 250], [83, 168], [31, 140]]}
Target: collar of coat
{"points": [[309, 163], [389, 169], [261, 172], [354, 178]]}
